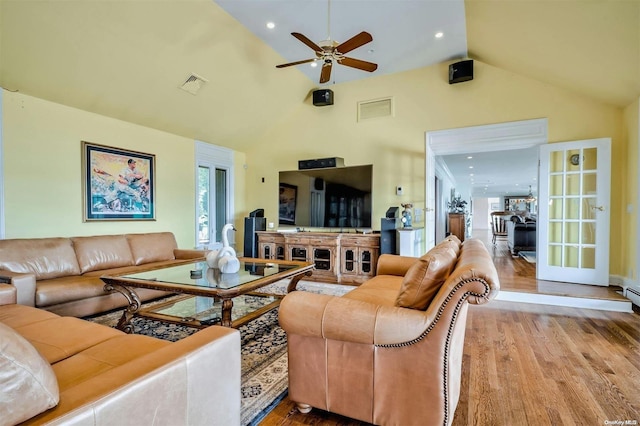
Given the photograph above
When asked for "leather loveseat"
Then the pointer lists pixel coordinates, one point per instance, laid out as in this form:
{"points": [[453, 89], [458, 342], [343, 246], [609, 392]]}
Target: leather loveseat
{"points": [[65, 370], [521, 234], [390, 351], [62, 275]]}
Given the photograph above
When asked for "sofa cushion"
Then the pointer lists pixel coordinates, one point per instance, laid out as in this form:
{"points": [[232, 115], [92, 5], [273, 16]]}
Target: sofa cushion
{"points": [[44, 257], [61, 337], [152, 247], [423, 280], [15, 315], [66, 289], [102, 252], [28, 383]]}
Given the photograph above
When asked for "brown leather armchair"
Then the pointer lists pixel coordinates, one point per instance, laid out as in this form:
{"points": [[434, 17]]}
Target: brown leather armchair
{"points": [[362, 356]]}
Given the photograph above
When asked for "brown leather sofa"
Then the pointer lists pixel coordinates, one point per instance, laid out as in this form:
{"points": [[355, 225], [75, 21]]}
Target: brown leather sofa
{"points": [[62, 275], [65, 370], [390, 351]]}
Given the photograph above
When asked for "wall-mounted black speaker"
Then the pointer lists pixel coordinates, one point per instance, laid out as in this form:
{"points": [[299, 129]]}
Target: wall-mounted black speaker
{"points": [[461, 71], [322, 97]]}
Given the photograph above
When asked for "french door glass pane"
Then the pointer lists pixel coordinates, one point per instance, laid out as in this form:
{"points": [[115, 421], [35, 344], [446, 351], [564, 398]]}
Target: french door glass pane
{"points": [[221, 201], [203, 205]]}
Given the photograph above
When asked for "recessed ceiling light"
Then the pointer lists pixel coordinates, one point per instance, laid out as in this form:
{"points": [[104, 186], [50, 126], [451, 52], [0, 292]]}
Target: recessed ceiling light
{"points": [[471, 167], [439, 34], [470, 174], [469, 157], [314, 64], [271, 25]]}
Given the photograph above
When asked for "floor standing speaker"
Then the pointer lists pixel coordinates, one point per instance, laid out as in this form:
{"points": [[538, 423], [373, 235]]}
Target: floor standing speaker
{"points": [[251, 226], [388, 234]]}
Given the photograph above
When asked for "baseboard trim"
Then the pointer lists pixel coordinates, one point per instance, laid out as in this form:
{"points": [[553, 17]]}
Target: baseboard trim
{"points": [[571, 302]]}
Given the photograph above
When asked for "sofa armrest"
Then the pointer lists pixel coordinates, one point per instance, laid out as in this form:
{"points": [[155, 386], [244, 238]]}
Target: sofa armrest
{"points": [[393, 264], [189, 254], [25, 285], [195, 380], [8, 294]]}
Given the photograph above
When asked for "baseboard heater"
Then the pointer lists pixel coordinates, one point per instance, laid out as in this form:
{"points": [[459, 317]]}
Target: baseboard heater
{"points": [[633, 294]]}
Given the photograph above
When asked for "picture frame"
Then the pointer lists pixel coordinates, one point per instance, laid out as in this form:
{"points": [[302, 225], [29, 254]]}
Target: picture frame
{"points": [[117, 184], [287, 204]]}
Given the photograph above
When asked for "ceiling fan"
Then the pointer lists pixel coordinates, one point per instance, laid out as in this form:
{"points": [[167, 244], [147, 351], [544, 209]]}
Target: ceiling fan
{"points": [[329, 51]]}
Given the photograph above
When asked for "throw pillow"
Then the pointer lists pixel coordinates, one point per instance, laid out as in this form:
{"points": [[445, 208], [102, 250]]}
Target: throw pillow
{"points": [[424, 278], [28, 383]]}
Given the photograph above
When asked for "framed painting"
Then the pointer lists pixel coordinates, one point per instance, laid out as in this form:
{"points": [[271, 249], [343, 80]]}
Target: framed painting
{"points": [[117, 184], [287, 204]]}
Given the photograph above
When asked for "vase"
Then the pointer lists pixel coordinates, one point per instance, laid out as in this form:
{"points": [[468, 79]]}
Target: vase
{"points": [[406, 215]]}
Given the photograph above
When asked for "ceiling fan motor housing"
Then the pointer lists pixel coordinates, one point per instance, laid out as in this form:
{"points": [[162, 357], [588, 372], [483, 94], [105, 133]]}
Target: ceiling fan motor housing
{"points": [[323, 97]]}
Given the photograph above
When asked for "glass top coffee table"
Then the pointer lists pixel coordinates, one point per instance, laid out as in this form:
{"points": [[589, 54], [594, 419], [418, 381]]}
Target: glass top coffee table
{"points": [[209, 296]]}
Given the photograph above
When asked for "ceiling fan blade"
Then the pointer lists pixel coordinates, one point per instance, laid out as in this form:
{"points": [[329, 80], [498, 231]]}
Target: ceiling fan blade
{"points": [[325, 74], [305, 61], [357, 63], [354, 42], [308, 42]]}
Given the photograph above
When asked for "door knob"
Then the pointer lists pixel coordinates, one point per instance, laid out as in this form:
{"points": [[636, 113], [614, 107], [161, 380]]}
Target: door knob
{"points": [[601, 208]]}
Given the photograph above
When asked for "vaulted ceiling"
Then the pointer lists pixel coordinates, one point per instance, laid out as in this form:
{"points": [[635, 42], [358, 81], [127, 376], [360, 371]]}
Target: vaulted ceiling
{"points": [[125, 59]]}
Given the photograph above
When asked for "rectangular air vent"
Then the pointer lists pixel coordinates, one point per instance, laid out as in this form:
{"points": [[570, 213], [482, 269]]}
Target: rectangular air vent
{"points": [[375, 109], [193, 84]]}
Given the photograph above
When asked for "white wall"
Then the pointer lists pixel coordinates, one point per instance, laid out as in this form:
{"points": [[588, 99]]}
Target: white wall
{"points": [[480, 213]]}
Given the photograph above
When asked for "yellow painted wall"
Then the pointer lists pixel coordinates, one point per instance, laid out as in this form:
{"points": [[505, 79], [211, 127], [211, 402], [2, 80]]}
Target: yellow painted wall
{"points": [[630, 223], [424, 101], [43, 173]]}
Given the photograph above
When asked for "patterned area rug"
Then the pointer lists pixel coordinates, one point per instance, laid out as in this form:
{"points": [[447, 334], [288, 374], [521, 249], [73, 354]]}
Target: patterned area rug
{"points": [[263, 349]]}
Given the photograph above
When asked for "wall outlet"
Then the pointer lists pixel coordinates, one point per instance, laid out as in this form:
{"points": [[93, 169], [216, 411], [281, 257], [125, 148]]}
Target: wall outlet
{"points": [[399, 190]]}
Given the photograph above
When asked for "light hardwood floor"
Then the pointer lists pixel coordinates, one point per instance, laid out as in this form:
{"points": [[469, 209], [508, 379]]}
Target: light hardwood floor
{"points": [[527, 364]]}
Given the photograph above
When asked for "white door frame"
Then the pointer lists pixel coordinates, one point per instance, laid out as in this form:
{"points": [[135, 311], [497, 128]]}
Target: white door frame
{"points": [[487, 138], [2, 234]]}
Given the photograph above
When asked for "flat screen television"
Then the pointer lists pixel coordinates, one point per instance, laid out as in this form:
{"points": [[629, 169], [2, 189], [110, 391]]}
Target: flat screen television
{"points": [[337, 197]]}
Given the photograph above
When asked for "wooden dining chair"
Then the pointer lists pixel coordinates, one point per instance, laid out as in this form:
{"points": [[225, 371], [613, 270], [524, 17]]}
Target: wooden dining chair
{"points": [[498, 225]]}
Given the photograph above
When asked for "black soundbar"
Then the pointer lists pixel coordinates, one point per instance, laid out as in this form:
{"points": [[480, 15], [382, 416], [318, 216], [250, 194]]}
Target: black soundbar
{"points": [[321, 163]]}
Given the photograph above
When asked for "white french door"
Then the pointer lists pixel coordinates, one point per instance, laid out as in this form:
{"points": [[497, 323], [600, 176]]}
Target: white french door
{"points": [[214, 193], [573, 212]]}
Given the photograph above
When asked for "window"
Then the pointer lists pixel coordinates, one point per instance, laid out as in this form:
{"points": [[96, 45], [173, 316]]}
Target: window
{"points": [[214, 193]]}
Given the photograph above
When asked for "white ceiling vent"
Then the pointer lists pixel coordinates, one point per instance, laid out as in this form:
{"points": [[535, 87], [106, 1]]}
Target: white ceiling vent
{"points": [[193, 84], [375, 108]]}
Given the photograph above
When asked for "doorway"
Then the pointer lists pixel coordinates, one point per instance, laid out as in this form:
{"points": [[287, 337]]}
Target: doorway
{"points": [[488, 138]]}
